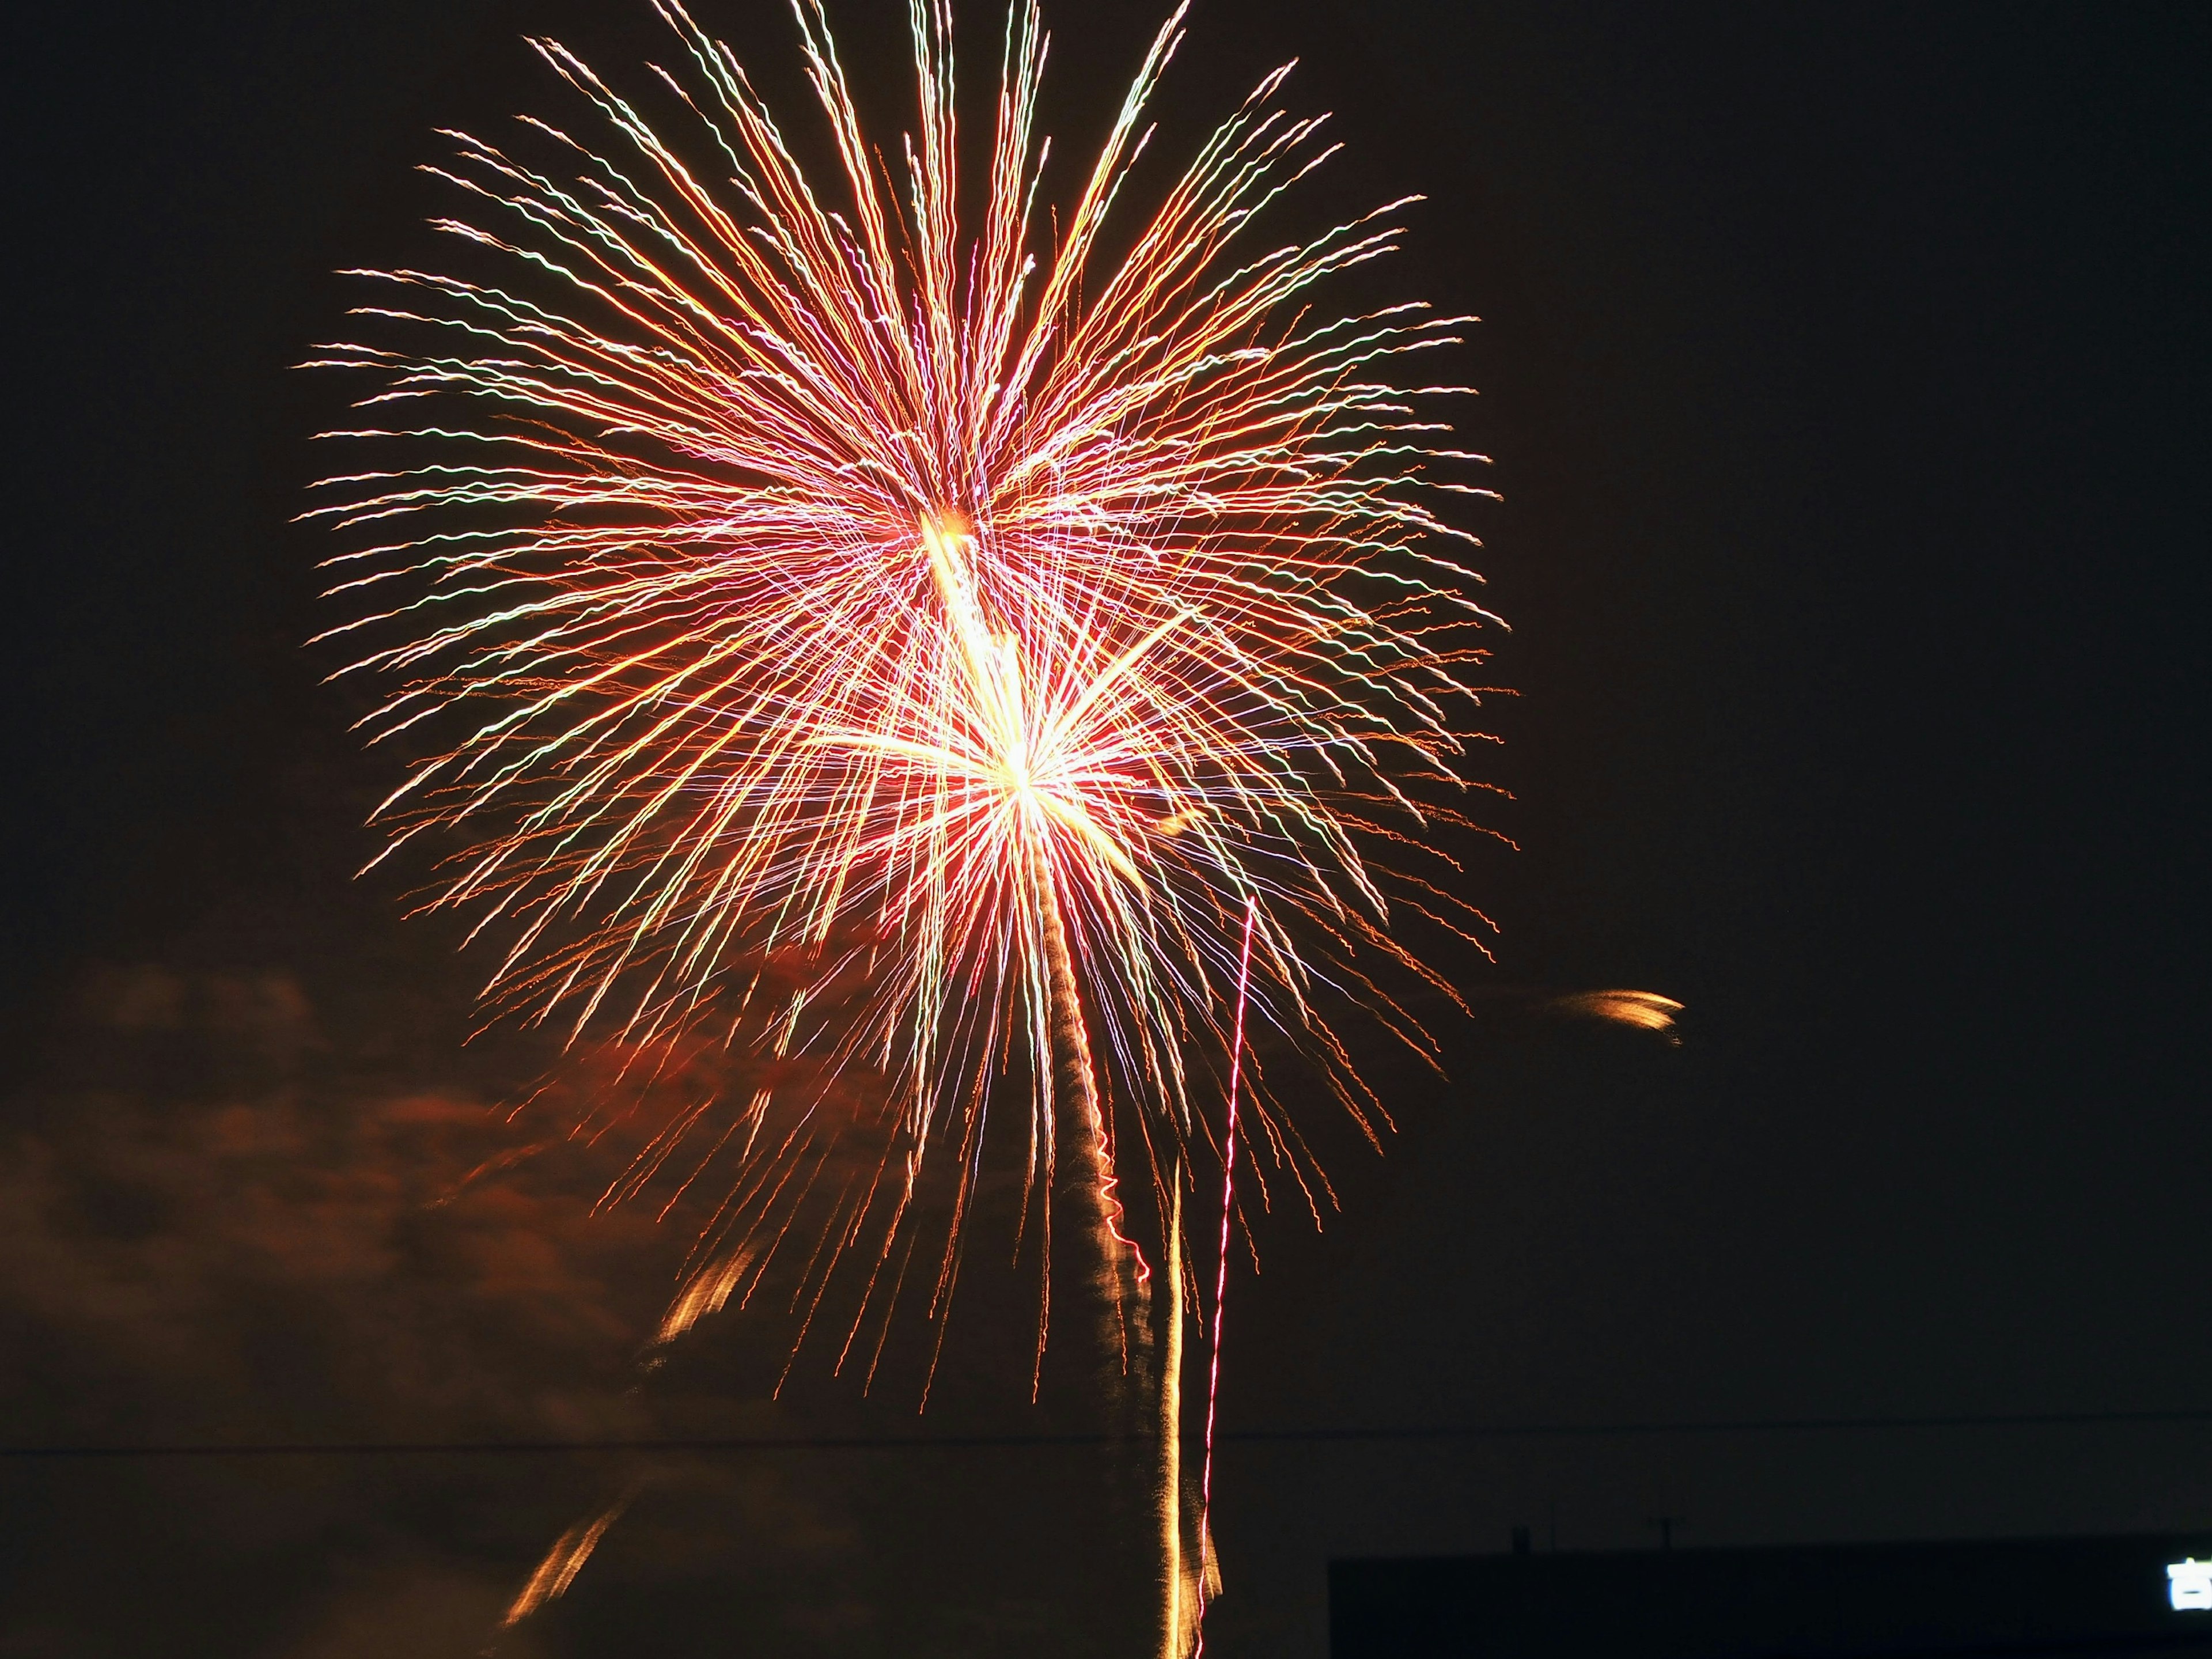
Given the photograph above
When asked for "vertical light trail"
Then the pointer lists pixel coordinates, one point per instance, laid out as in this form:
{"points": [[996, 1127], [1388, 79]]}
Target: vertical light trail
{"points": [[1207, 1571], [1177, 1616]]}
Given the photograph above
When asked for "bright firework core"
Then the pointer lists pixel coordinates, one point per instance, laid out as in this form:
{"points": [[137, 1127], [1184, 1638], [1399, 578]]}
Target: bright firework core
{"points": [[1030, 757]]}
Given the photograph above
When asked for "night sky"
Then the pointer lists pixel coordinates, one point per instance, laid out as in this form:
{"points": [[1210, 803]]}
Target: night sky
{"points": [[1843, 366]]}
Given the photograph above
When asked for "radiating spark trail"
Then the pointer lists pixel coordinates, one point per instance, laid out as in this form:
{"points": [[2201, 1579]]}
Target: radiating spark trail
{"points": [[892, 637]]}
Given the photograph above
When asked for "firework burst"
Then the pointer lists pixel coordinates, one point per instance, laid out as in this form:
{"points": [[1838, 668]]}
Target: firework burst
{"points": [[892, 637]]}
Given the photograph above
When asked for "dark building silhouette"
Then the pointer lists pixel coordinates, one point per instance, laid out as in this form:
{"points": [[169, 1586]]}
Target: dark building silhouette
{"points": [[2079, 1598]]}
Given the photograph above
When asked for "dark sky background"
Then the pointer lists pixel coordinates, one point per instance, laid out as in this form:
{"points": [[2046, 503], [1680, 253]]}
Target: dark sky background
{"points": [[1843, 366]]}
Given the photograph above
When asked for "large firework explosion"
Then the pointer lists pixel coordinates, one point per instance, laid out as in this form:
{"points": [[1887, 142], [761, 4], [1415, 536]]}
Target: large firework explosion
{"points": [[927, 647]]}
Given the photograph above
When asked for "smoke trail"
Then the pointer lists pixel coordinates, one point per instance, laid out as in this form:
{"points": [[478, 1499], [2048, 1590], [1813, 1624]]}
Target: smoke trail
{"points": [[1087, 1180]]}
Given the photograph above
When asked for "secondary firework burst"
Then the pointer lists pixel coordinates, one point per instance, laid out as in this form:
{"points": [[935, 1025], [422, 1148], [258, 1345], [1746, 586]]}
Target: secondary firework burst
{"points": [[895, 636]]}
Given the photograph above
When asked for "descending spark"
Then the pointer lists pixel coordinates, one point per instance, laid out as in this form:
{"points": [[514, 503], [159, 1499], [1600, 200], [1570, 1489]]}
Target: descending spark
{"points": [[562, 1563], [1645, 1010], [896, 638], [706, 1292]]}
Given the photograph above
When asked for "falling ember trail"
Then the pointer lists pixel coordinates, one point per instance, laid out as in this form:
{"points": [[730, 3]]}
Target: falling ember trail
{"points": [[562, 1563], [1647, 1011]]}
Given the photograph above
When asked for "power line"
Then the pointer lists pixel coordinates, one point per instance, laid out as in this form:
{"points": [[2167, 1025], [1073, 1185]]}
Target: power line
{"points": [[723, 1443]]}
